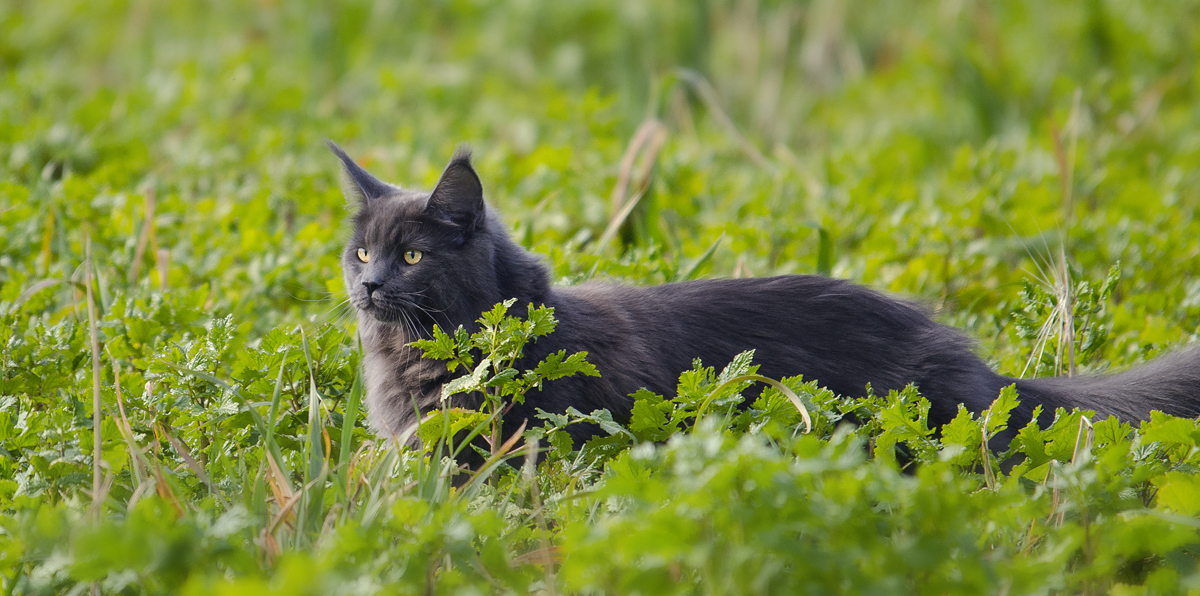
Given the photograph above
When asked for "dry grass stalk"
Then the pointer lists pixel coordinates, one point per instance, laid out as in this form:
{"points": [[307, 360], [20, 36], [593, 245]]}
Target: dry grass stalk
{"points": [[141, 467], [163, 261], [989, 476], [547, 560], [160, 480], [1057, 513], [1065, 307], [1084, 439], [640, 137], [47, 238], [741, 268], [1061, 320], [191, 462], [280, 488], [704, 90], [646, 142]]}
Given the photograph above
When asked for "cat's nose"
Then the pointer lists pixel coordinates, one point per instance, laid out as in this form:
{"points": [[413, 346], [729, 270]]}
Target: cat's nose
{"points": [[371, 286]]}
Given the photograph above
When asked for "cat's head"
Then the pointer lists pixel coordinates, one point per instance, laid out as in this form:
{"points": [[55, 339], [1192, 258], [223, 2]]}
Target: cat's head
{"points": [[418, 258]]}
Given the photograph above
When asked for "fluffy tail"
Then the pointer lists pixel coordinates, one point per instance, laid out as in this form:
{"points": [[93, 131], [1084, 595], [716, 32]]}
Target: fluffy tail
{"points": [[1170, 384]]}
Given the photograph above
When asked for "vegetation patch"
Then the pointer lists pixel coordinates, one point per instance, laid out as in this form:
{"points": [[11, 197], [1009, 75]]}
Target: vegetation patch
{"points": [[181, 401]]}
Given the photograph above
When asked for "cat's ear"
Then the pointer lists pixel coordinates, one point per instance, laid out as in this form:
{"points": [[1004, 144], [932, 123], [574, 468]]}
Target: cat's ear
{"points": [[357, 183], [458, 197]]}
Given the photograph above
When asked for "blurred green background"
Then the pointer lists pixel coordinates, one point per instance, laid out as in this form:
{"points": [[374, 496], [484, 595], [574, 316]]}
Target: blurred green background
{"points": [[957, 152], [945, 150]]}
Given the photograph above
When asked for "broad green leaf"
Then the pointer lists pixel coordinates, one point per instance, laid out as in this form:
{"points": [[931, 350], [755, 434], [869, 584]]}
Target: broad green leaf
{"points": [[468, 383], [997, 414], [1179, 492], [1169, 429], [964, 431], [441, 347]]}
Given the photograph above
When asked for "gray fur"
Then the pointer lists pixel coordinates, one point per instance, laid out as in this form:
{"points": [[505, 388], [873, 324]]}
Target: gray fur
{"points": [[843, 335]]}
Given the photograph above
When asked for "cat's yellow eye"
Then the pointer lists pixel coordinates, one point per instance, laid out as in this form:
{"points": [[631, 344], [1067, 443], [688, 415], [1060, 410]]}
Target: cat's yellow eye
{"points": [[363, 255], [412, 257]]}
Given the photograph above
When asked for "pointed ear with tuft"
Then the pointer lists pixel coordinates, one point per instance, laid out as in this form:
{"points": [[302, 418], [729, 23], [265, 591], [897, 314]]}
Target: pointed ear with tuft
{"points": [[458, 197], [357, 183]]}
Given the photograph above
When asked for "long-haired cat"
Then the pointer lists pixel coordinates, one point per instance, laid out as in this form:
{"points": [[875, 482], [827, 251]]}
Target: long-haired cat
{"points": [[419, 259]]}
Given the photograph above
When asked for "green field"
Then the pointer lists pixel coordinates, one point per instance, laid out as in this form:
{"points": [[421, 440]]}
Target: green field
{"points": [[1029, 170]]}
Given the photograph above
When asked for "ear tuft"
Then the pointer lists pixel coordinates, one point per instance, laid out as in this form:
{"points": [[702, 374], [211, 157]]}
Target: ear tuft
{"points": [[357, 183], [458, 196]]}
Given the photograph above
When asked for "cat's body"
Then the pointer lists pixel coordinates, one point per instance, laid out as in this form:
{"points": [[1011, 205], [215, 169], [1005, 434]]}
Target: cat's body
{"points": [[844, 336]]}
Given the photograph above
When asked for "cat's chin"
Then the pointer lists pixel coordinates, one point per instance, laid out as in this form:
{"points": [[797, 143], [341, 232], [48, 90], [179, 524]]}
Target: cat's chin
{"points": [[388, 316], [379, 315]]}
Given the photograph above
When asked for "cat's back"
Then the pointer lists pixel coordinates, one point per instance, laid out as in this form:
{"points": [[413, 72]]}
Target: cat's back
{"points": [[808, 299], [844, 334], [722, 317]]}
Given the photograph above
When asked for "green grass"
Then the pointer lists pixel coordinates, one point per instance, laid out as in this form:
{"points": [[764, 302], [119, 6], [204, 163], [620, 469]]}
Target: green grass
{"points": [[963, 154]]}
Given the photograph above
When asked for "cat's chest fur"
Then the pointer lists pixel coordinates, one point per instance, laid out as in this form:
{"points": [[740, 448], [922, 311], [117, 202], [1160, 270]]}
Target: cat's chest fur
{"points": [[400, 384]]}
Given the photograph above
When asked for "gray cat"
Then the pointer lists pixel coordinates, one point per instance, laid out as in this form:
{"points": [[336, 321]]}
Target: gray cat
{"points": [[419, 259]]}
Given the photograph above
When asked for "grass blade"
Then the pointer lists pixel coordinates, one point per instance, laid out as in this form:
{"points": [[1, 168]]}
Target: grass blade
{"points": [[784, 389], [311, 505], [824, 252], [692, 269], [349, 420]]}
